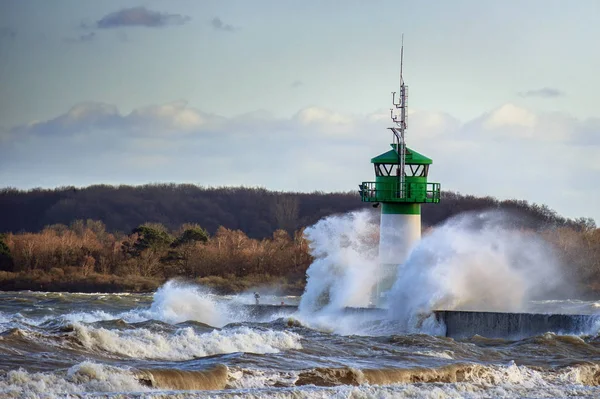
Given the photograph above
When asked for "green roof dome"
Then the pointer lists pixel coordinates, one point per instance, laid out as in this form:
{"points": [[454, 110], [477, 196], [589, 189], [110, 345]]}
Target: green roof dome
{"points": [[412, 157]]}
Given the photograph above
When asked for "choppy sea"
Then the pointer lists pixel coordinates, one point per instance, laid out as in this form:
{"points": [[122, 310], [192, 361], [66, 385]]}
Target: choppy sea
{"points": [[184, 342]]}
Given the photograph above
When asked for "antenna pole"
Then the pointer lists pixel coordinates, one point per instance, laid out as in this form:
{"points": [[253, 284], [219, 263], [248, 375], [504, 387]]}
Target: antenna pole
{"points": [[401, 60], [401, 123]]}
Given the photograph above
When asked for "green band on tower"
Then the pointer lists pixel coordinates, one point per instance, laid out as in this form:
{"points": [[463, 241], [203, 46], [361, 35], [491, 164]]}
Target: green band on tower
{"points": [[391, 208]]}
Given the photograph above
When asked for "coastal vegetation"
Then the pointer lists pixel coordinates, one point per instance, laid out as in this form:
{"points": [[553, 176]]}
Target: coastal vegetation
{"points": [[109, 239]]}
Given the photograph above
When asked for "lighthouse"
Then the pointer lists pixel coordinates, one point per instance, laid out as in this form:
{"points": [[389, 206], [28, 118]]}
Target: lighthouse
{"points": [[399, 189]]}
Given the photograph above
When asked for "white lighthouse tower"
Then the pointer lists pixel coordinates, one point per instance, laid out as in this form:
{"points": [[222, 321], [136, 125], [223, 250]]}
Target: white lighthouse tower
{"points": [[400, 187]]}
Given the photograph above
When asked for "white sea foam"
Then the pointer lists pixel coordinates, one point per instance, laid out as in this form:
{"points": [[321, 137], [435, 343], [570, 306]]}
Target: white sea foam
{"points": [[185, 343], [87, 317], [257, 379], [87, 379], [83, 377], [508, 381], [439, 354]]}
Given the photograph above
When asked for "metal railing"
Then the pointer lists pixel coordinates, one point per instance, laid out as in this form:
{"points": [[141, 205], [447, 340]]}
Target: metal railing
{"points": [[400, 192]]}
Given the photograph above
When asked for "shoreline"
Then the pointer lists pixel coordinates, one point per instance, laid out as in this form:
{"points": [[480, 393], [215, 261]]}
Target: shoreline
{"points": [[94, 283], [113, 284]]}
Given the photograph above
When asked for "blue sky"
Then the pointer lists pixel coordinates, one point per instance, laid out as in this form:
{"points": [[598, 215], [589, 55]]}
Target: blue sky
{"points": [[293, 95]]}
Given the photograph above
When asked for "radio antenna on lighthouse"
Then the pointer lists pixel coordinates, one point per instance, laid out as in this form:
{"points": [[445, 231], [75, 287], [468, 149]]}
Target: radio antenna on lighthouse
{"points": [[400, 121]]}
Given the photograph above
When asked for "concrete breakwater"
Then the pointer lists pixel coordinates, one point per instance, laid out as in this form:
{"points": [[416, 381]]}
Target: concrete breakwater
{"points": [[464, 324]]}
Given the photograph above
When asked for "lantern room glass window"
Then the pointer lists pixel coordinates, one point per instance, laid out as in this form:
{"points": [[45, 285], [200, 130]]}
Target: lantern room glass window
{"points": [[417, 170], [382, 169]]}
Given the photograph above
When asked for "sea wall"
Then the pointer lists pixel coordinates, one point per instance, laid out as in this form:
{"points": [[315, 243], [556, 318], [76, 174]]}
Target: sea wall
{"points": [[465, 324]]}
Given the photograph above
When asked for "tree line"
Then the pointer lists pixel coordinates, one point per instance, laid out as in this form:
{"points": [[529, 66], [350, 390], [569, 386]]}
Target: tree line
{"points": [[86, 257], [255, 211]]}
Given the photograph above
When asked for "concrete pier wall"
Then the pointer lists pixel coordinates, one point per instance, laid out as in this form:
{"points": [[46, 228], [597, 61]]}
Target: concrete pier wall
{"points": [[465, 324], [462, 324]]}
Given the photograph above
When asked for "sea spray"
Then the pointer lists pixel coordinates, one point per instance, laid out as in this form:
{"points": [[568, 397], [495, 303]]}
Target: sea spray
{"points": [[345, 268], [176, 302], [474, 261], [343, 274]]}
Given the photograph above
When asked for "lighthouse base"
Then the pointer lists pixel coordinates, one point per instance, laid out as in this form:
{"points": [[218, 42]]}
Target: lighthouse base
{"points": [[399, 230]]}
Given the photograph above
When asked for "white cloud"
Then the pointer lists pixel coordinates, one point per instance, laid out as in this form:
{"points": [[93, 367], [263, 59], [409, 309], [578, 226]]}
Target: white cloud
{"points": [[511, 122], [325, 120], [172, 117], [430, 124], [507, 152], [89, 113], [81, 118], [510, 115]]}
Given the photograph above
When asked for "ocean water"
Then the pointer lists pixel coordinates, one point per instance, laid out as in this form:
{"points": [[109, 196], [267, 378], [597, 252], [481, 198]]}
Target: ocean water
{"points": [[184, 342]]}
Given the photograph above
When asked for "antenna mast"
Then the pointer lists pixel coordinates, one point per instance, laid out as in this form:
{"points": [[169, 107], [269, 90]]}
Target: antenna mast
{"points": [[400, 121]]}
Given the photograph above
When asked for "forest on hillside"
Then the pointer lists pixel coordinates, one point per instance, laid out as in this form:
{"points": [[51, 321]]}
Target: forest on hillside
{"points": [[255, 211], [84, 257], [104, 238]]}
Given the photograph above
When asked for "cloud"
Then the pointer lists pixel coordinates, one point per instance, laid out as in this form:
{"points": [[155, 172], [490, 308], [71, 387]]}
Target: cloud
{"points": [[85, 38], [170, 118], [545, 92], [297, 83], [81, 118], [512, 122], [218, 24], [325, 121], [429, 124], [510, 115], [94, 117], [506, 152], [140, 16], [8, 33]]}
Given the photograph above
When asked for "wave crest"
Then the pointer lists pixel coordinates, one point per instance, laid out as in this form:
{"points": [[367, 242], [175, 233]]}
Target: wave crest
{"points": [[185, 343], [211, 379], [587, 374]]}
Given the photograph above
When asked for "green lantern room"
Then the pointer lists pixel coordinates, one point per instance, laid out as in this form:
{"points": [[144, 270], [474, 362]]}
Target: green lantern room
{"points": [[391, 185]]}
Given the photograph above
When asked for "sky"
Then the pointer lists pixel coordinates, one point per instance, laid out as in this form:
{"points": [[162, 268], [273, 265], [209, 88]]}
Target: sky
{"points": [[295, 95]]}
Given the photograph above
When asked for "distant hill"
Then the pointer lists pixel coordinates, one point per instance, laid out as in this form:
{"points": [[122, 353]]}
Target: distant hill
{"points": [[255, 211]]}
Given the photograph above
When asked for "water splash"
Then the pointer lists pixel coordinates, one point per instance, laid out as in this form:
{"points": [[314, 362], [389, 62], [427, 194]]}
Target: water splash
{"points": [[345, 267], [176, 302], [475, 261]]}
